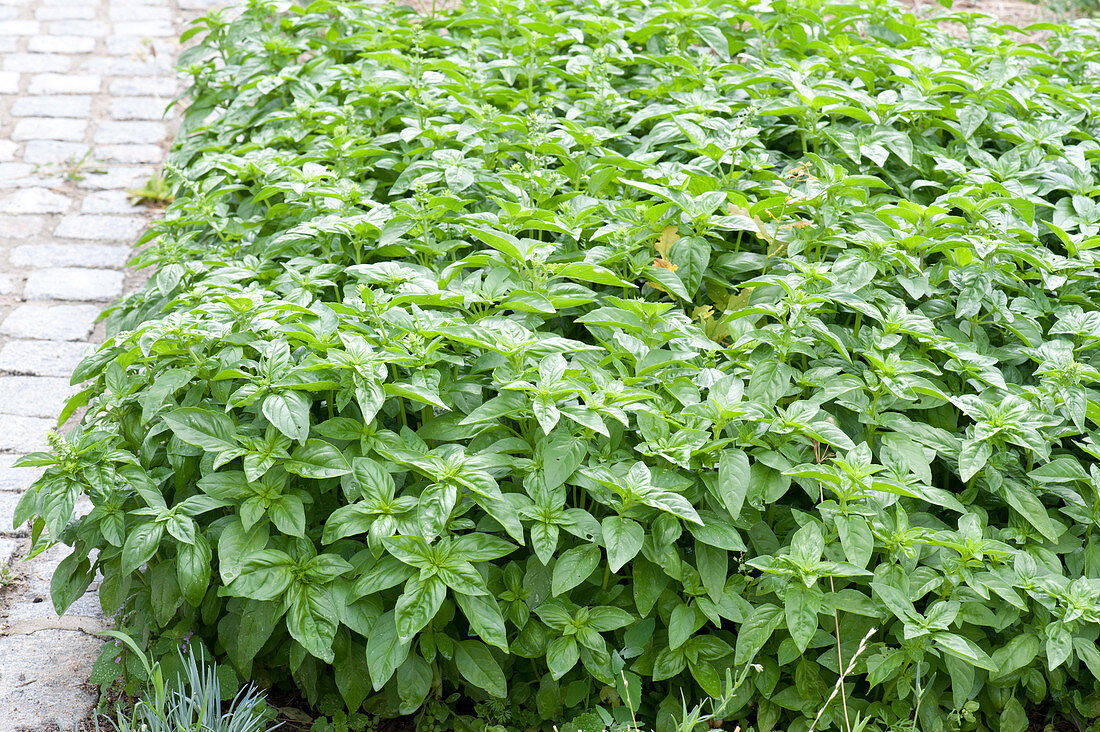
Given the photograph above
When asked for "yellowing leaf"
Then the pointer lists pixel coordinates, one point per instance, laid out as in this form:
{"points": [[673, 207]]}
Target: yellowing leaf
{"points": [[664, 242]]}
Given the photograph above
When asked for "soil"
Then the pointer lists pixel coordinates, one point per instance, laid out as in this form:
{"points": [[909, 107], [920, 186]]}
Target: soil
{"points": [[1040, 720], [1018, 14]]}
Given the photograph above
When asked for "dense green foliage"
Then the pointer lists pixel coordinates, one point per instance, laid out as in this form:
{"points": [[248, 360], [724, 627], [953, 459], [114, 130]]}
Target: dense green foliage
{"points": [[570, 353]]}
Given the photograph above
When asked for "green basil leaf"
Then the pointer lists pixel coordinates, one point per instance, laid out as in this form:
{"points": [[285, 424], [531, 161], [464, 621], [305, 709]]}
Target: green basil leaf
{"points": [[573, 567], [475, 662]]}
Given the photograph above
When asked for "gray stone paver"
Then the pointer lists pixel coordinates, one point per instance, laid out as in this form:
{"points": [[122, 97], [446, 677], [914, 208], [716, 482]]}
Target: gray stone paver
{"points": [[84, 88], [71, 12], [63, 255], [35, 396], [20, 226], [131, 153], [24, 434], [142, 86], [73, 283], [113, 176], [137, 108], [129, 132], [53, 152], [29, 692], [65, 84], [39, 358], [139, 13], [56, 105], [37, 62], [8, 500], [49, 128], [94, 28], [35, 201], [123, 66], [50, 322], [8, 548], [108, 201], [84, 226], [38, 585], [61, 44], [132, 46], [13, 478], [21, 28]]}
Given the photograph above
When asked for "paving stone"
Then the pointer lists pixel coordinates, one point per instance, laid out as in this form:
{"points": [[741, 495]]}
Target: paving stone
{"points": [[70, 12], [9, 171], [64, 84], [73, 283], [141, 86], [99, 227], [141, 47], [37, 605], [9, 184], [34, 396], [36, 63], [49, 128], [83, 507], [108, 202], [132, 13], [8, 284], [131, 108], [78, 28], [21, 28], [9, 82], [146, 29], [130, 132], [132, 153], [35, 201], [51, 322], [8, 549], [8, 502], [38, 680], [116, 177], [54, 105], [24, 434], [61, 44], [20, 227], [70, 255], [54, 151], [39, 358], [124, 66]]}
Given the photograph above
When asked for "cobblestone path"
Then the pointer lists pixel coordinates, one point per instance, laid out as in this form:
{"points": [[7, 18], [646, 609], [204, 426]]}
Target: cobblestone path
{"points": [[83, 89]]}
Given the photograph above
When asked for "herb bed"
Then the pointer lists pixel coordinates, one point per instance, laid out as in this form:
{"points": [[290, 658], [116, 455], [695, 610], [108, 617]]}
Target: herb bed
{"points": [[564, 357]]}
